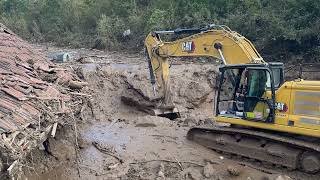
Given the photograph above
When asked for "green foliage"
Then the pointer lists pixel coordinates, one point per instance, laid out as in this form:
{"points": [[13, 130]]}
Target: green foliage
{"points": [[157, 20], [110, 31], [17, 24], [286, 30]]}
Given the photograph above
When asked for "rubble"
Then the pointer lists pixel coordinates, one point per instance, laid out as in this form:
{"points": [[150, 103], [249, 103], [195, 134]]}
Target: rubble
{"points": [[282, 177], [30, 106], [191, 173], [209, 171], [234, 170], [161, 172]]}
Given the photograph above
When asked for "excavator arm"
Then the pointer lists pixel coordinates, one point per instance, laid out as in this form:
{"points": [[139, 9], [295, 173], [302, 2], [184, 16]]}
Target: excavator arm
{"points": [[215, 41]]}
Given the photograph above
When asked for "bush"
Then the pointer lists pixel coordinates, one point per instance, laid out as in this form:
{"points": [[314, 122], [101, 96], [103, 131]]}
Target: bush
{"points": [[157, 21], [281, 30], [110, 31], [17, 24]]}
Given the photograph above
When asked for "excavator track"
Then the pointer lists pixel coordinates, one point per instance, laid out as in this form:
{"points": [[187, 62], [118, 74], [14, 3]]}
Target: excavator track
{"points": [[277, 150]]}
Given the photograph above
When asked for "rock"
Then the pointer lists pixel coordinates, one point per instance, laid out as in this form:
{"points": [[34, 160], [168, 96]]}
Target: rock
{"points": [[62, 149], [283, 177], [198, 119], [190, 121], [161, 172], [146, 125], [104, 147], [233, 171], [209, 171], [195, 175], [161, 167], [152, 121], [191, 173], [85, 60], [83, 143], [113, 166], [77, 84], [208, 122], [1, 165], [265, 178], [161, 175]]}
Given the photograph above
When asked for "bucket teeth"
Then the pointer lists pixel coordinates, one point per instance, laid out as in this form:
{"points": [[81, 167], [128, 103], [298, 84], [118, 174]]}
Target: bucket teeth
{"points": [[167, 113]]}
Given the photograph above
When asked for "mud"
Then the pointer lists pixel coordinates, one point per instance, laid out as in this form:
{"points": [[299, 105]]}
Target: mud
{"points": [[119, 141]]}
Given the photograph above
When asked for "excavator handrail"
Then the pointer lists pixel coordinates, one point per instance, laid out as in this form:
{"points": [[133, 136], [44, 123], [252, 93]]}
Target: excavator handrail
{"points": [[194, 30]]}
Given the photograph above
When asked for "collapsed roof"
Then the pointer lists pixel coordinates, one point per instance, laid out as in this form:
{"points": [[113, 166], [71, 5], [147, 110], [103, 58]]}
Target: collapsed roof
{"points": [[30, 87], [20, 82]]}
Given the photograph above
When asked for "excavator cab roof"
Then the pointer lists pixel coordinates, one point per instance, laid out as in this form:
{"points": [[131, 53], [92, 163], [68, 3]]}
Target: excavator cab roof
{"points": [[276, 68], [270, 64], [240, 66]]}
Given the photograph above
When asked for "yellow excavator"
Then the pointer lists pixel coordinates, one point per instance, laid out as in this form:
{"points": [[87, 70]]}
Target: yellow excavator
{"points": [[264, 118]]}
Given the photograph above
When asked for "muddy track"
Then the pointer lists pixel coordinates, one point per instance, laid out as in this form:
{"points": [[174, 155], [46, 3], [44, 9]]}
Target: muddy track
{"points": [[268, 168]]}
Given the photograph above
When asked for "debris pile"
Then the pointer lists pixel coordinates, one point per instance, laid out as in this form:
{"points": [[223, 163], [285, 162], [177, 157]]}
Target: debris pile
{"points": [[35, 95]]}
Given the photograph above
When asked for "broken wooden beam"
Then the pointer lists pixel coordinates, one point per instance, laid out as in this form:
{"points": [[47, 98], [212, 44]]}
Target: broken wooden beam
{"points": [[54, 130]]}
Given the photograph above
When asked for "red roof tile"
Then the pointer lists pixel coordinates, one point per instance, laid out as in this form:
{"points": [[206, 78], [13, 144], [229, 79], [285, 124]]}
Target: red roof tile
{"points": [[20, 66]]}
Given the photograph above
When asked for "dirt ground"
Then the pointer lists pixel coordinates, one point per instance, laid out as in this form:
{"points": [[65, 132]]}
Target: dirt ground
{"points": [[118, 141]]}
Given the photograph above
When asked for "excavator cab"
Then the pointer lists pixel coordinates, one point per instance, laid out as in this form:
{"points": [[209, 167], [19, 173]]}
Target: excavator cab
{"points": [[246, 92]]}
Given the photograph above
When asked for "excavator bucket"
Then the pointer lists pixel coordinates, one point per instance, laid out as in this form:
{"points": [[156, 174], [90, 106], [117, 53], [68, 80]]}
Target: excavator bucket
{"points": [[167, 113]]}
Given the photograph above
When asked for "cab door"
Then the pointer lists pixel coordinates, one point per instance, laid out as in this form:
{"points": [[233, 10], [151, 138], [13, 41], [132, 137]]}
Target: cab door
{"points": [[246, 93], [258, 104]]}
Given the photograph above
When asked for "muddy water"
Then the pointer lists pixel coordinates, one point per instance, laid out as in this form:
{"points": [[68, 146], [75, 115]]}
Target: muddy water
{"points": [[106, 134], [133, 142], [128, 67]]}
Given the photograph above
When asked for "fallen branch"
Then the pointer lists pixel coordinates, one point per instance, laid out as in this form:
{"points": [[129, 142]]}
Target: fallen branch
{"points": [[12, 168], [80, 94], [54, 130], [76, 143], [104, 151], [77, 84], [179, 163], [169, 161], [158, 135], [115, 156], [112, 123], [13, 137]]}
